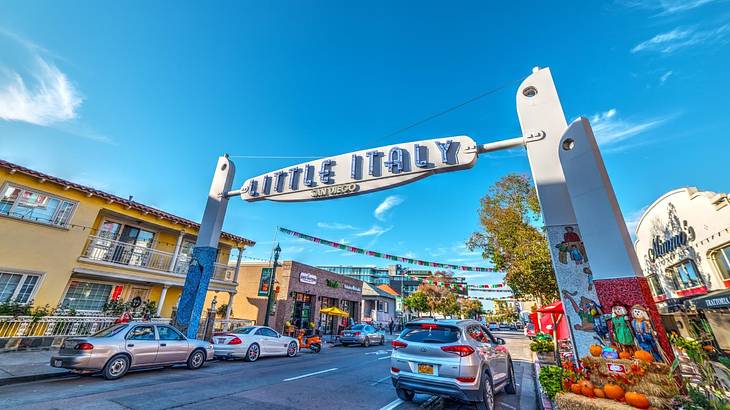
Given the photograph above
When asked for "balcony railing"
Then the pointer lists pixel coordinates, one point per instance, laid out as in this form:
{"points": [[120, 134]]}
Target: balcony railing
{"points": [[126, 254]]}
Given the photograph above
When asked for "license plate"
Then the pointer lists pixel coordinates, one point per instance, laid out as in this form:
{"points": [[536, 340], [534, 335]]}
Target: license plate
{"points": [[57, 363], [220, 340], [425, 368]]}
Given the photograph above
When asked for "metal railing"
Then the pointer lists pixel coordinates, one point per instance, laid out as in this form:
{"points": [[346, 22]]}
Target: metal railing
{"points": [[221, 271], [121, 253], [228, 325], [53, 326]]}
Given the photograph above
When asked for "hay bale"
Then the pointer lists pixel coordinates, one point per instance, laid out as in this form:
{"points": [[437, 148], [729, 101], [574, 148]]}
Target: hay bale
{"points": [[570, 401]]}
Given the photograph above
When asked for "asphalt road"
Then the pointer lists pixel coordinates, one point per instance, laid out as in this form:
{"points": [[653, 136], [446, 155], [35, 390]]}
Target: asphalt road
{"points": [[336, 378]]}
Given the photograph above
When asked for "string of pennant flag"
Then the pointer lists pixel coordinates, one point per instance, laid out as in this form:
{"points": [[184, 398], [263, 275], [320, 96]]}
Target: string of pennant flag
{"points": [[361, 251]]}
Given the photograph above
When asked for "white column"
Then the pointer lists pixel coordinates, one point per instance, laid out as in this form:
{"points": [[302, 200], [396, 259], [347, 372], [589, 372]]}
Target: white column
{"points": [[238, 264], [175, 254], [230, 302], [162, 299]]}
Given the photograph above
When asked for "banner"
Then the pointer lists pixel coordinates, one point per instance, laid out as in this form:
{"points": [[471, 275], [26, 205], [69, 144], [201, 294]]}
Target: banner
{"points": [[264, 283], [383, 255]]}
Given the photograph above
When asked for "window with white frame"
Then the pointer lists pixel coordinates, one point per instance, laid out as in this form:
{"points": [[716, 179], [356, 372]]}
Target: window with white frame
{"points": [[722, 260], [24, 203], [685, 275], [17, 287], [385, 307], [655, 285], [89, 296]]}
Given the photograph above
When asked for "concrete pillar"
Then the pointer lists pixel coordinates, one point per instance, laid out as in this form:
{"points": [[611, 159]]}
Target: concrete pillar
{"points": [[162, 299], [176, 254], [229, 307]]}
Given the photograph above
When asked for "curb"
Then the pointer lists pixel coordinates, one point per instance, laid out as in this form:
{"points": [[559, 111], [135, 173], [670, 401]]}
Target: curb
{"points": [[34, 377]]}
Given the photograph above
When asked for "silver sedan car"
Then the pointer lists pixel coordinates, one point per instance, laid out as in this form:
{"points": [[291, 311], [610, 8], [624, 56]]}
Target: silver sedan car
{"points": [[117, 349], [362, 334], [456, 358]]}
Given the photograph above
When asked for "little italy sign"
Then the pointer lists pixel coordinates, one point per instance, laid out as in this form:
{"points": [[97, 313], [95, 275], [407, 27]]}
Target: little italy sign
{"points": [[363, 171]]}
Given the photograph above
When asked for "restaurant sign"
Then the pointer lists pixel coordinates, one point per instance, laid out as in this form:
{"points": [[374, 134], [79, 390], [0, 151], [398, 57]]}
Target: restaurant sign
{"points": [[352, 288], [363, 171], [305, 277]]}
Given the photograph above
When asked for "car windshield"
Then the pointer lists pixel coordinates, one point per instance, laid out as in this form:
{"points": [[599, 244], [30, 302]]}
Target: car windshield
{"points": [[530, 327], [430, 333], [110, 331], [243, 330], [358, 327]]}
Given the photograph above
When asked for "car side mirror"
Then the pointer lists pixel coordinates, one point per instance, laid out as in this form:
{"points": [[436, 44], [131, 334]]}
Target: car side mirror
{"points": [[500, 341], [278, 335]]}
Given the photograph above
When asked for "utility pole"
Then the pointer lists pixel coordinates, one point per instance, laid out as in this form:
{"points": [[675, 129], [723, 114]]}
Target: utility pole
{"points": [[272, 279]]}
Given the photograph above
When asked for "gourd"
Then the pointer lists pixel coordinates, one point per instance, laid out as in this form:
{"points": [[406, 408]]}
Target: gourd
{"points": [[613, 391], [595, 350], [643, 355], [598, 392], [586, 388], [624, 355], [637, 400], [575, 388]]}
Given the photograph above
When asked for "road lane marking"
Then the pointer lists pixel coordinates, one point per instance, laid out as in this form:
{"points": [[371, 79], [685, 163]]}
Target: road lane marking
{"points": [[380, 381], [507, 405], [383, 358], [393, 404], [310, 374]]}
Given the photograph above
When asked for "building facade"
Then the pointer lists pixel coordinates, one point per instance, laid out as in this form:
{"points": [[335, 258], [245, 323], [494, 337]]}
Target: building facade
{"points": [[683, 245], [77, 248], [368, 274], [301, 291], [378, 306]]}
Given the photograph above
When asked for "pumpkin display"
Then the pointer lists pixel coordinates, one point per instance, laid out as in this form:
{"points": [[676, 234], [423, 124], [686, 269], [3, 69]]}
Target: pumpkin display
{"points": [[637, 400], [575, 388], [624, 355], [707, 348], [644, 356], [613, 391], [596, 350], [598, 392]]}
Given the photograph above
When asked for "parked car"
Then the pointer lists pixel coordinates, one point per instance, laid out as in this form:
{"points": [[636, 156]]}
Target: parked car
{"points": [[252, 342], [362, 334], [529, 330], [117, 349], [503, 326], [512, 326], [456, 358], [493, 326]]}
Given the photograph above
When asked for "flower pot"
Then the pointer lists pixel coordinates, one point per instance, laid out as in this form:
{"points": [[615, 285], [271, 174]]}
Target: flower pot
{"points": [[546, 357]]}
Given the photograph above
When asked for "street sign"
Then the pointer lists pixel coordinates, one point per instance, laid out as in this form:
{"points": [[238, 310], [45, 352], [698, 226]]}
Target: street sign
{"points": [[363, 171]]}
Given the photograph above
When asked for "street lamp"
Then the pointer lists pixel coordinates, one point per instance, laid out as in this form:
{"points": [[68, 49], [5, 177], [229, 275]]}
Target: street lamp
{"points": [[277, 251]]}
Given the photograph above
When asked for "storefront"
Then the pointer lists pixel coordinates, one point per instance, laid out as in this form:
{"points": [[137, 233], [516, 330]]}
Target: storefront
{"points": [[302, 291], [683, 245]]}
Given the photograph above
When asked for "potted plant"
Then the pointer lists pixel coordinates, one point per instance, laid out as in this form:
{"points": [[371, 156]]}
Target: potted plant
{"points": [[544, 350]]}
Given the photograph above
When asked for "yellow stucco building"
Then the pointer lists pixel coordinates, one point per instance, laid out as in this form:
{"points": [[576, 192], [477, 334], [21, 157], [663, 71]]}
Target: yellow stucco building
{"points": [[64, 244]]}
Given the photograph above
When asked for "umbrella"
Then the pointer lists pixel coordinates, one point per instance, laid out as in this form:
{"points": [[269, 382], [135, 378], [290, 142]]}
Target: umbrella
{"points": [[334, 311], [553, 308]]}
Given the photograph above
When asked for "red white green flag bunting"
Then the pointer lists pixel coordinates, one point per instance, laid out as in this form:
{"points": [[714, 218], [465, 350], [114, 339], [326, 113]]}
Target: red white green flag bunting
{"points": [[383, 255]]}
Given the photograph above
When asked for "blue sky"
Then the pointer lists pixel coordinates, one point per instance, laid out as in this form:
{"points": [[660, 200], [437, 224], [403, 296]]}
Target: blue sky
{"points": [[139, 98]]}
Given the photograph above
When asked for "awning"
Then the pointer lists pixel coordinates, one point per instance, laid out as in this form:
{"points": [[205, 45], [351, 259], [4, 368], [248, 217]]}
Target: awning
{"points": [[713, 300], [334, 311], [553, 308]]}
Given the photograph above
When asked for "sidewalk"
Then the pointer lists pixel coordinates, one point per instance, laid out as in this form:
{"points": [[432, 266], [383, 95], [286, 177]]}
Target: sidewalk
{"points": [[24, 366]]}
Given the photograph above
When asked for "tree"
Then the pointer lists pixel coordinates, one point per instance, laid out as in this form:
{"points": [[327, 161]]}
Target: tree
{"points": [[471, 308], [513, 238], [416, 302], [449, 305]]}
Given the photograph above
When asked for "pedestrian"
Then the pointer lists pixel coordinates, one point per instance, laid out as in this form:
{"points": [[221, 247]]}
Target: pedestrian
{"points": [[390, 326]]}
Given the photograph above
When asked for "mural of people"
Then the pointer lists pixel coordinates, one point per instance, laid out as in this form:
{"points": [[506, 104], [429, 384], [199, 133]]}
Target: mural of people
{"points": [[591, 315], [588, 272], [572, 246], [645, 333], [621, 331]]}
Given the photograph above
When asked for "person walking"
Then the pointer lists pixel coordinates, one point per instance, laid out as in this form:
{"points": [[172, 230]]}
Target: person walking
{"points": [[390, 327]]}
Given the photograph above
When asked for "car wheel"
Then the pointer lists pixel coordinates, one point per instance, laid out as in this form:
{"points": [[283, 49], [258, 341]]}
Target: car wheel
{"points": [[116, 367], [487, 402], [196, 360], [345, 345], [366, 342], [382, 340], [253, 353], [405, 395], [511, 387], [291, 350]]}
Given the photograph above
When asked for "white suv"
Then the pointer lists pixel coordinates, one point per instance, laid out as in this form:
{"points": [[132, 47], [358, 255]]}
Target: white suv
{"points": [[456, 358]]}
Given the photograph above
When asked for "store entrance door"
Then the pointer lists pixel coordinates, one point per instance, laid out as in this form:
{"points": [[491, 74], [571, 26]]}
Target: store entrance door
{"points": [[302, 311]]}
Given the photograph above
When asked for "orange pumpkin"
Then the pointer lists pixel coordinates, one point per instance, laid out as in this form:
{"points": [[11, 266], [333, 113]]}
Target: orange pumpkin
{"points": [[637, 400], [596, 350], [575, 388], [624, 355], [599, 393], [613, 391], [708, 348], [643, 355]]}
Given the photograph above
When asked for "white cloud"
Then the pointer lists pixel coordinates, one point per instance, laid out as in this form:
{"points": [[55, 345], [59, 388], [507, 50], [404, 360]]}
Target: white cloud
{"points": [[679, 38], [610, 129], [667, 7], [375, 230], [632, 221], [52, 99], [389, 203], [334, 225], [410, 254], [663, 78]]}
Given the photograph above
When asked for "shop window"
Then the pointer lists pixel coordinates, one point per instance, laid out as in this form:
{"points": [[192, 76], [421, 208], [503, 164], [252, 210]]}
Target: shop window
{"points": [[685, 275], [86, 296], [722, 261], [656, 286], [24, 203], [17, 287]]}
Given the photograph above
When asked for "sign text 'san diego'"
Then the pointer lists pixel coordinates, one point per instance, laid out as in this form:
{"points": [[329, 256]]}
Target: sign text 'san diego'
{"points": [[363, 171]]}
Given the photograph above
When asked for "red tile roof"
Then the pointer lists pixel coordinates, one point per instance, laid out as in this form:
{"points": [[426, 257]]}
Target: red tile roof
{"points": [[388, 289], [111, 197]]}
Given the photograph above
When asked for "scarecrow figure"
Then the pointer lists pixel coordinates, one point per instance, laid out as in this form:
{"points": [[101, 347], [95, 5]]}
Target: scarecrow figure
{"points": [[621, 329], [645, 333]]}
